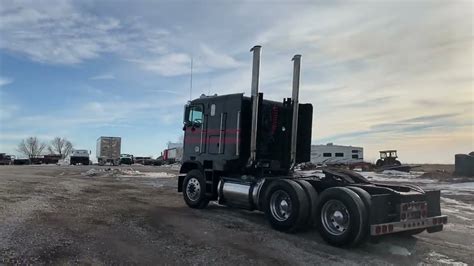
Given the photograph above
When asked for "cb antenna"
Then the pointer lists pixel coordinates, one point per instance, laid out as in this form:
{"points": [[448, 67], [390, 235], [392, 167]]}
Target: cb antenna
{"points": [[191, 81]]}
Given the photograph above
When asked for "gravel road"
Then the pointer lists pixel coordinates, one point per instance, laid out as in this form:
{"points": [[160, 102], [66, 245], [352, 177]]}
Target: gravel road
{"points": [[93, 215]]}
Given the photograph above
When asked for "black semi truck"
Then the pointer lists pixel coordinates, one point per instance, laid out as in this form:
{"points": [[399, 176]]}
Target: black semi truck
{"points": [[241, 152]]}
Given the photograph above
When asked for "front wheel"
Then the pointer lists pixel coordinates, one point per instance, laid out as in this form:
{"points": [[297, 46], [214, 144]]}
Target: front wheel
{"points": [[194, 190]]}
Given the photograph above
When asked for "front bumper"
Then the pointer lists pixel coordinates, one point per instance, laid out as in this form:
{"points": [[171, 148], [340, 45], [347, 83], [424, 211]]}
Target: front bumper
{"points": [[390, 228]]}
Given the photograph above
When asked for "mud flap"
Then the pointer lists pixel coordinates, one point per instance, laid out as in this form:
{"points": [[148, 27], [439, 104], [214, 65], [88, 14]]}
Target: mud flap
{"points": [[180, 182]]}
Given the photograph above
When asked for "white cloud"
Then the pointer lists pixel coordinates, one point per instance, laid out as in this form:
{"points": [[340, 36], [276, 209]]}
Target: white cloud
{"points": [[61, 33], [5, 81], [168, 65], [105, 76], [204, 59]]}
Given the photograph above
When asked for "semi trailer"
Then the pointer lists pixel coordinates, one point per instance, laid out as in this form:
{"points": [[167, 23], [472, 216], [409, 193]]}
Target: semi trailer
{"points": [[242, 151], [108, 150]]}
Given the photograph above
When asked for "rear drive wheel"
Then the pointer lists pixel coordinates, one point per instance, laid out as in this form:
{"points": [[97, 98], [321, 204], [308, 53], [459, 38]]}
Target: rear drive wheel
{"points": [[286, 205], [312, 196], [342, 217], [194, 188], [367, 200]]}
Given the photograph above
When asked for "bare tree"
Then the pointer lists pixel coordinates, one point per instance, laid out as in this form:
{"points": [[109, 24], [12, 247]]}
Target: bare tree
{"points": [[31, 147], [60, 146]]}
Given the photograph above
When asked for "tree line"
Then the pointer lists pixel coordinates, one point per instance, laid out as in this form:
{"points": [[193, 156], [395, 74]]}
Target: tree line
{"points": [[32, 147]]}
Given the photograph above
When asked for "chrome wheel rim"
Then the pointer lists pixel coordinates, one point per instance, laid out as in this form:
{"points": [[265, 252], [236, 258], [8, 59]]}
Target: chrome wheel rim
{"points": [[335, 217], [280, 205], [193, 189]]}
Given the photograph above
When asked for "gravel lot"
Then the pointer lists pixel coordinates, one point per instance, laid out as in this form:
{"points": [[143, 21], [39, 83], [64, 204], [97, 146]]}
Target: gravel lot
{"points": [[92, 215]]}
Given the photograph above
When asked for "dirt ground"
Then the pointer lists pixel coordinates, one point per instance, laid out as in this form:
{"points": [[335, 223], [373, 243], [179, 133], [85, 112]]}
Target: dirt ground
{"points": [[72, 214]]}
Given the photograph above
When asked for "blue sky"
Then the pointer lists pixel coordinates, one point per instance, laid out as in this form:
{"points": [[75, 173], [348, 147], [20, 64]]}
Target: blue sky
{"points": [[380, 74]]}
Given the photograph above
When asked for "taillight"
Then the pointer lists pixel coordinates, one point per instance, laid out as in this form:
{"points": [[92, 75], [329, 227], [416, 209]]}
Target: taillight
{"points": [[377, 230], [390, 227]]}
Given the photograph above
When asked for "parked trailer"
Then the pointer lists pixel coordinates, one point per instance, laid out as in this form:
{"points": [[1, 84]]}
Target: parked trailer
{"points": [[331, 154], [241, 151], [108, 150]]}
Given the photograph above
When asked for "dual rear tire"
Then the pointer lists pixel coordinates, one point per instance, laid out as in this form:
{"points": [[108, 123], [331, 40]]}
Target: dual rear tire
{"points": [[340, 213]]}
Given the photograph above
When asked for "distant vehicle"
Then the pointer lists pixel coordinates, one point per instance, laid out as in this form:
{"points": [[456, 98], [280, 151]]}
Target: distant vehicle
{"points": [[45, 159], [143, 160], [108, 150], [51, 158], [79, 157], [388, 158], [331, 154], [126, 159], [172, 155], [5, 159], [21, 161]]}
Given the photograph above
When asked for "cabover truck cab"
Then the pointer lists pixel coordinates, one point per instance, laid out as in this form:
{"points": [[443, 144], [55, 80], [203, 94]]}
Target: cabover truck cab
{"points": [[241, 152]]}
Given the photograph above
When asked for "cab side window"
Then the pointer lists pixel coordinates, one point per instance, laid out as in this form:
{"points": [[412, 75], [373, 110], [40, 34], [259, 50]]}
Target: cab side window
{"points": [[195, 114]]}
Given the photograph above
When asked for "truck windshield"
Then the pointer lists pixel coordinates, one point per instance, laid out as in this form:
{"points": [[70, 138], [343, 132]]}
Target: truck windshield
{"points": [[195, 114]]}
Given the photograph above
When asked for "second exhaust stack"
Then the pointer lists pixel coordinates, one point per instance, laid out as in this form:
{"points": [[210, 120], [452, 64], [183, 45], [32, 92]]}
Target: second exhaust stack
{"points": [[294, 98], [255, 76]]}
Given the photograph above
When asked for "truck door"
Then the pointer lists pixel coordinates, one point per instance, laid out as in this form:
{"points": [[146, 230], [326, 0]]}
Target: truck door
{"points": [[194, 130]]}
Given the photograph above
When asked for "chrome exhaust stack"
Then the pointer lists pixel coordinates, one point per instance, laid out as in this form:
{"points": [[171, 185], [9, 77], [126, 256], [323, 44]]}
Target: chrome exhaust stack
{"points": [[255, 99], [294, 100]]}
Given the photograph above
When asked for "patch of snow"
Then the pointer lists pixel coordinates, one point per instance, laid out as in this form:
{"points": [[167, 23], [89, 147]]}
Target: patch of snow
{"points": [[397, 177], [466, 188], [458, 204], [125, 173], [91, 172], [158, 175], [397, 250], [439, 258]]}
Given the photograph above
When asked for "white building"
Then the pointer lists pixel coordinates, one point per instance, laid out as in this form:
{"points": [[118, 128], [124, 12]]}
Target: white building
{"points": [[336, 154]]}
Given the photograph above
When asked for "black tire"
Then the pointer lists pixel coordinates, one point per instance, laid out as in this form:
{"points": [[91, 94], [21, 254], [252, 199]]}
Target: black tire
{"points": [[379, 163], [397, 162], [367, 200], [312, 196], [353, 222], [295, 198], [195, 194]]}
